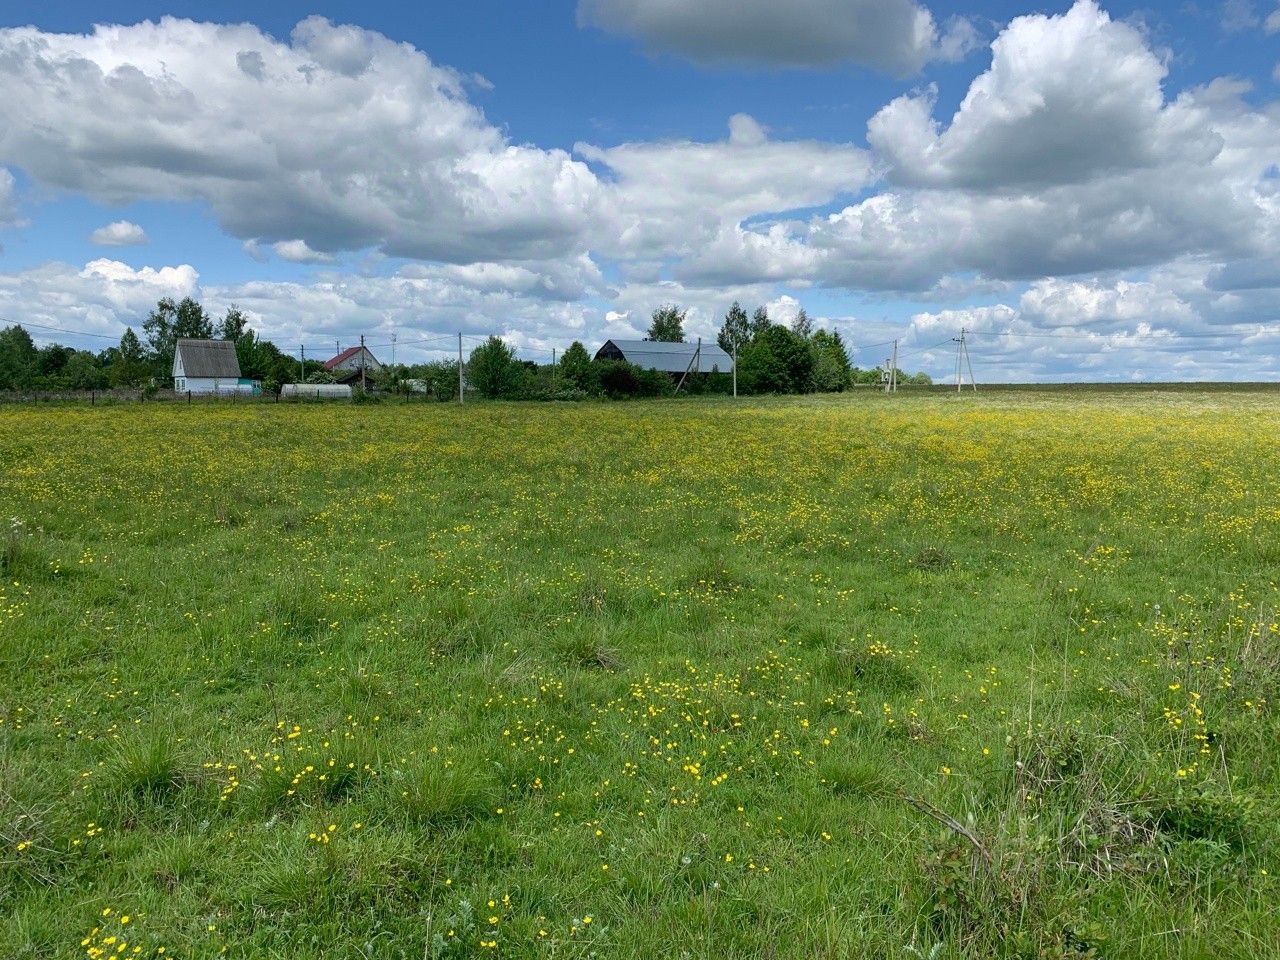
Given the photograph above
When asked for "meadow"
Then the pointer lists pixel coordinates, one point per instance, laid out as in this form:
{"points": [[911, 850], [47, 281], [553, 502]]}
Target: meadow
{"points": [[923, 676]]}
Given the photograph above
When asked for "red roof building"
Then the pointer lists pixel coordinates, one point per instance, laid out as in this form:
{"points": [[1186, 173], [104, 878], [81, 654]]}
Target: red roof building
{"points": [[352, 360]]}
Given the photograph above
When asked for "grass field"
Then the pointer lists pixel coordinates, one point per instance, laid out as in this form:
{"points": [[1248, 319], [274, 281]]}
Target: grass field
{"points": [[841, 677]]}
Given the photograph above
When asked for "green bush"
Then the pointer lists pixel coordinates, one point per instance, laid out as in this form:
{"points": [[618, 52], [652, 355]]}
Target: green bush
{"points": [[619, 380], [494, 370], [576, 368]]}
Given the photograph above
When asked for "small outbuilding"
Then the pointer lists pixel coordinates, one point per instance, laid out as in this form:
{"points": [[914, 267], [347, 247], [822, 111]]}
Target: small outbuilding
{"points": [[316, 391], [208, 366], [673, 358]]}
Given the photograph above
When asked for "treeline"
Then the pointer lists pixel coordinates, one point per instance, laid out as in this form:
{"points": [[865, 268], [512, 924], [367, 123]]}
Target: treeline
{"points": [[772, 358], [494, 371], [145, 361]]}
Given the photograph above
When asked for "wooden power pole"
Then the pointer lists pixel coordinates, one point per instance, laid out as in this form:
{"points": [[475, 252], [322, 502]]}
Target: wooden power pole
{"points": [[964, 345], [962, 360]]}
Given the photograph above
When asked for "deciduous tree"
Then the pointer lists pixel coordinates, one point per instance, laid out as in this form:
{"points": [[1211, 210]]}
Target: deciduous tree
{"points": [[760, 322], [17, 358], [233, 325], [575, 366], [494, 370], [129, 368], [802, 326], [667, 324], [830, 361], [735, 329]]}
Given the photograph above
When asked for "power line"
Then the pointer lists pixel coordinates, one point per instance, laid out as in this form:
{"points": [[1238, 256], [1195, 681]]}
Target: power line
{"points": [[1149, 335], [402, 343], [919, 350], [858, 348], [74, 333]]}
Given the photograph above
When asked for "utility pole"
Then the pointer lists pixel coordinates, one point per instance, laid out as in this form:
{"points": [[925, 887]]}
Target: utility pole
{"points": [[735, 368], [553, 368], [393, 349], [362, 380], [887, 376], [893, 370], [696, 359], [302, 365], [965, 346], [460, 400]]}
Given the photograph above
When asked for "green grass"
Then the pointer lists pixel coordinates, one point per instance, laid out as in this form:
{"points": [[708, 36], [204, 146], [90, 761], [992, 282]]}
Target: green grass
{"points": [[845, 676]]}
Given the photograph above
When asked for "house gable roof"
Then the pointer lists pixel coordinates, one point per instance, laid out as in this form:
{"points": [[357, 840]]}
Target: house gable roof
{"points": [[346, 354], [208, 358]]}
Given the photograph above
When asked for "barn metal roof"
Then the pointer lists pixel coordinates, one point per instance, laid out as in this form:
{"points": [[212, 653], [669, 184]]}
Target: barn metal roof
{"points": [[209, 358], [672, 357]]}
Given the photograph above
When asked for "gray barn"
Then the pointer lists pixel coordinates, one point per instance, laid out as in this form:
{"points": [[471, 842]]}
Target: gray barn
{"points": [[668, 357]]}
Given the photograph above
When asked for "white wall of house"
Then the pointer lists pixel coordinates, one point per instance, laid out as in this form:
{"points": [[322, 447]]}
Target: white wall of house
{"points": [[210, 385], [352, 363]]}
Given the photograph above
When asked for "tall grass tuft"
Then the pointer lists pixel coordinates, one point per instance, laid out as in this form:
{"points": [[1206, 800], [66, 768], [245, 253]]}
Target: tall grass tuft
{"points": [[432, 792], [149, 766]]}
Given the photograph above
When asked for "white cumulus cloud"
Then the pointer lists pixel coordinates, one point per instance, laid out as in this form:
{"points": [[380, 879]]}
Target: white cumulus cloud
{"points": [[8, 198], [1067, 98], [121, 233], [674, 197], [297, 251], [99, 298], [1064, 157], [339, 137]]}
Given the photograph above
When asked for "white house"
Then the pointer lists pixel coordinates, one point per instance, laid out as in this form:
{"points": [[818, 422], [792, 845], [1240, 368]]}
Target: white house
{"points": [[347, 365], [207, 366]]}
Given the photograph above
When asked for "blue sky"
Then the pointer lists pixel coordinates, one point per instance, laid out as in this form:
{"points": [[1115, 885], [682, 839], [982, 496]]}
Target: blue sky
{"points": [[1092, 189]]}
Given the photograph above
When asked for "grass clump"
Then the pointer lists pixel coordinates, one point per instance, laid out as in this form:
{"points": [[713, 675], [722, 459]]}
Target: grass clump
{"points": [[591, 652], [439, 793], [932, 559], [875, 667], [151, 765], [856, 777]]}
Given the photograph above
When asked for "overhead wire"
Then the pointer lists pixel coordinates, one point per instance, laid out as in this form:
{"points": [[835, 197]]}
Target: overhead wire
{"points": [[1148, 335], [74, 333]]}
